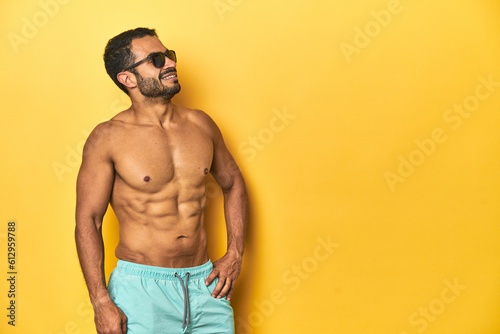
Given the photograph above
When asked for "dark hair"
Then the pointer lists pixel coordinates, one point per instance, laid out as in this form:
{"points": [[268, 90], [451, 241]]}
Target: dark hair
{"points": [[117, 54]]}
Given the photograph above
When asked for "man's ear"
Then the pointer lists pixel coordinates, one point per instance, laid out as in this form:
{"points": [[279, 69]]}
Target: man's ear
{"points": [[127, 79]]}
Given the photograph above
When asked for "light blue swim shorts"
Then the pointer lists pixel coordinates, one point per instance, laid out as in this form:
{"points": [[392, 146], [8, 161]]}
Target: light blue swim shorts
{"points": [[159, 300]]}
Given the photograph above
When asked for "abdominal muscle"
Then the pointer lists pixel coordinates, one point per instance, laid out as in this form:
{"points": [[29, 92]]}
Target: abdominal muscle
{"points": [[164, 229]]}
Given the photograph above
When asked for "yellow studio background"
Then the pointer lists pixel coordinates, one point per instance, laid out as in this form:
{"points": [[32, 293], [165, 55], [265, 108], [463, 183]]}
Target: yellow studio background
{"points": [[367, 131]]}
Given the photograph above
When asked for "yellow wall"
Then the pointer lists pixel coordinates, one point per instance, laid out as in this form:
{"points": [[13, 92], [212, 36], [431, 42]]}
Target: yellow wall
{"points": [[368, 133]]}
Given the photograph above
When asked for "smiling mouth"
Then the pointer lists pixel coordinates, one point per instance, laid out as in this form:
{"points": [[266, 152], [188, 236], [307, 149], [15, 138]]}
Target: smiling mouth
{"points": [[169, 76]]}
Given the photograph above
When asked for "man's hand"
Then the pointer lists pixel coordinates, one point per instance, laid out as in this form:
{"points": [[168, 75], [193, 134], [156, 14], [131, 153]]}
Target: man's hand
{"points": [[227, 268], [109, 318]]}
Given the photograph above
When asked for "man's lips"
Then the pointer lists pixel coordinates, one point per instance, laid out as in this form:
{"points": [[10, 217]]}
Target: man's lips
{"points": [[169, 75]]}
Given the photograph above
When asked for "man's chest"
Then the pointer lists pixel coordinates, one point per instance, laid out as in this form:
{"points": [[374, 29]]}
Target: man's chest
{"points": [[153, 159]]}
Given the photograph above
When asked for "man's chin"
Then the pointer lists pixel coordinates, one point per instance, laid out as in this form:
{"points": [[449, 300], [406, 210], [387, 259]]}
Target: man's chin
{"points": [[171, 92], [174, 90]]}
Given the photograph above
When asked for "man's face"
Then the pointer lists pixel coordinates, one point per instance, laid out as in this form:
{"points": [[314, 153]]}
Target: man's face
{"points": [[154, 82]]}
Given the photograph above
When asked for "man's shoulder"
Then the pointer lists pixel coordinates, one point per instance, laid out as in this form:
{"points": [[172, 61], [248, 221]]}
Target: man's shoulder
{"points": [[113, 126], [104, 130], [200, 118], [101, 138], [196, 115]]}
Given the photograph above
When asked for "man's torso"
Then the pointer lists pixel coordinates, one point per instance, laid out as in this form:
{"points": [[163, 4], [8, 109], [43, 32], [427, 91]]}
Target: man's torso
{"points": [[158, 193]]}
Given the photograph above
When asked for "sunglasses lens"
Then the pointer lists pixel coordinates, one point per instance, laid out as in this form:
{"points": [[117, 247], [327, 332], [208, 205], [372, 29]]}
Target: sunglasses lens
{"points": [[158, 60], [171, 55]]}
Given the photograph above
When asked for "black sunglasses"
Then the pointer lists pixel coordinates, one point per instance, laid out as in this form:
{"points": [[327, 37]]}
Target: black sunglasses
{"points": [[157, 58]]}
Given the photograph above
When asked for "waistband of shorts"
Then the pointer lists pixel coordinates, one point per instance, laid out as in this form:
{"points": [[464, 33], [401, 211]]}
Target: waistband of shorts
{"points": [[146, 271]]}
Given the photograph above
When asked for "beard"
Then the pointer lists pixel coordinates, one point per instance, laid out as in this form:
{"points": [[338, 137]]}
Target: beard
{"points": [[153, 88]]}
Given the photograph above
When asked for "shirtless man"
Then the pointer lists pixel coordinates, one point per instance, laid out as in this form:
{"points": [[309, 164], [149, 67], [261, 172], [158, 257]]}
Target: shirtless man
{"points": [[150, 163]]}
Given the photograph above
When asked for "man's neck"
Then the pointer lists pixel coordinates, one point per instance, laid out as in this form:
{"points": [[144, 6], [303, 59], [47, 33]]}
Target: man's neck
{"points": [[157, 111]]}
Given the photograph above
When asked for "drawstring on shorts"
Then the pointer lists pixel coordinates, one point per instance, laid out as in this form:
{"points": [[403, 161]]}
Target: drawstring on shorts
{"points": [[185, 319]]}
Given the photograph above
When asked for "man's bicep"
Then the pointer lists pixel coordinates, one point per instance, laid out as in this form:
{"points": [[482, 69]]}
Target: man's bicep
{"points": [[95, 182], [224, 168]]}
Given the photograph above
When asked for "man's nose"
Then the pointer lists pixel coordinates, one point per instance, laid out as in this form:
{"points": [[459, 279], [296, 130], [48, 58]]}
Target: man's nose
{"points": [[169, 63]]}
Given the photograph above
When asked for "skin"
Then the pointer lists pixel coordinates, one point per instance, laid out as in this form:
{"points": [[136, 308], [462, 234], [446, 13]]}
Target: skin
{"points": [[150, 163]]}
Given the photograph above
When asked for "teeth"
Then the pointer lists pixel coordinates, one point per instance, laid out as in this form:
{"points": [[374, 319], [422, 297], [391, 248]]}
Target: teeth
{"points": [[170, 76]]}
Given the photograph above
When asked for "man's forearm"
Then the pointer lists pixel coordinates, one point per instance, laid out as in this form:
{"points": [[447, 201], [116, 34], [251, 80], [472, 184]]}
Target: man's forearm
{"points": [[235, 208], [90, 247]]}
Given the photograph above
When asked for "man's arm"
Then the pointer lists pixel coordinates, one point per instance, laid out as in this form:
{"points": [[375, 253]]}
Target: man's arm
{"points": [[226, 172], [94, 186]]}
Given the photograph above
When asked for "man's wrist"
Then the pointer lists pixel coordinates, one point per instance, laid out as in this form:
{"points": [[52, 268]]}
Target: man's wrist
{"points": [[235, 253], [100, 299]]}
